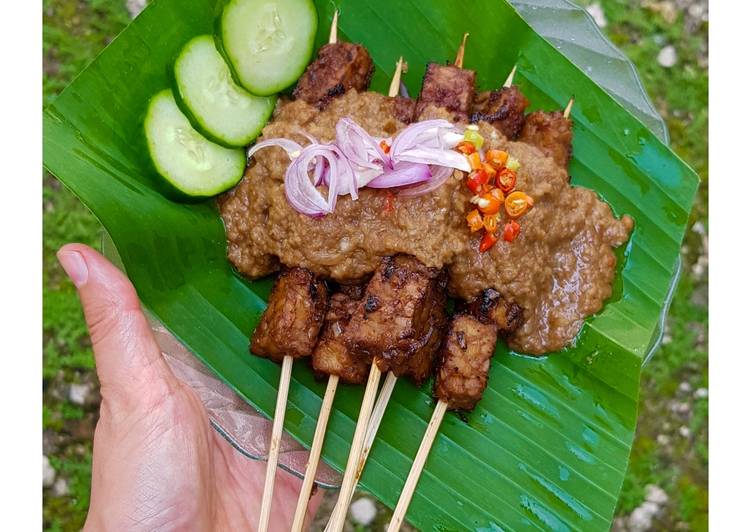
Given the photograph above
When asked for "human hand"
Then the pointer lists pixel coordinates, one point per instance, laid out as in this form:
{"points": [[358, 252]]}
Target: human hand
{"points": [[157, 463]]}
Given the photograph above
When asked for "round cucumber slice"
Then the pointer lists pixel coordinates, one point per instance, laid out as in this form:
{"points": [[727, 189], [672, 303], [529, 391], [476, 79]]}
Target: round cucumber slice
{"points": [[215, 104], [188, 162], [268, 42]]}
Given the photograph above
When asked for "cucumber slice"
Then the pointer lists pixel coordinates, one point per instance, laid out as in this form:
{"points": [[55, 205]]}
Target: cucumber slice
{"points": [[217, 107], [188, 162], [268, 42]]}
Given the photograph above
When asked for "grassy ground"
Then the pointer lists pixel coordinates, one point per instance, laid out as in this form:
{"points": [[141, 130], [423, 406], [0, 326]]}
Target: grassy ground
{"points": [[671, 444]]}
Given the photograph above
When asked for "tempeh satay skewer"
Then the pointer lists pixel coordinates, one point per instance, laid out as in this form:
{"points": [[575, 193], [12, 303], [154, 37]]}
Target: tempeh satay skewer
{"points": [[462, 374], [438, 78], [288, 329], [390, 381], [362, 441], [399, 325], [323, 416]]}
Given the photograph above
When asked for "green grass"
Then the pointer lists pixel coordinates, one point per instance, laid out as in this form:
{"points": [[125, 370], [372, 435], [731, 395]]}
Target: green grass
{"points": [[76, 30]]}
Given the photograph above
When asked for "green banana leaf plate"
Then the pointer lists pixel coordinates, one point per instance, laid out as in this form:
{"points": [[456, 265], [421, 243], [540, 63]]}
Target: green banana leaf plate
{"points": [[548, 446]]}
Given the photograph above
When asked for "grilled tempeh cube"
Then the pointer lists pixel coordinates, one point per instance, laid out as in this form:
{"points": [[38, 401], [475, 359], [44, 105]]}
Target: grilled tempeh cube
{"points": [[394, 319], [291, 322], [465, 361], [448, 87], [331, 355], [404, 109], [503, 109], [551, 132], [491, 307], [339, 67], [420, 361]]}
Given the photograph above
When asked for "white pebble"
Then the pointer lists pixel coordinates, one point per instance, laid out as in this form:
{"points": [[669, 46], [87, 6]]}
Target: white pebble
{"points": [[667, 57], [134, 7], [684, 387], [363, 511], [598, 14], [701, 393], [663, 440], [656, 494], [684, 431], [48, 472], [79, 393], [640, 519], [60, 488]]}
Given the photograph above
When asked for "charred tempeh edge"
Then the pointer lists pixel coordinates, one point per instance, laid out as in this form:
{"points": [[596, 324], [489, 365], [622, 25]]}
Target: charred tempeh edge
{"points": [[551, 132], [462, 373], [293, 318], [491, 307], [331, 355], [397, 318], [503, 108], [340, 66], [449, 87]]}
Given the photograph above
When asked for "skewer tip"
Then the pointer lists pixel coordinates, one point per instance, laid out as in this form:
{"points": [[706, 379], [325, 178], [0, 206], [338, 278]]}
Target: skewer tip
{"points": [[401, 66], [510, 78], [334, 23], [459, 61], [567, 110]]}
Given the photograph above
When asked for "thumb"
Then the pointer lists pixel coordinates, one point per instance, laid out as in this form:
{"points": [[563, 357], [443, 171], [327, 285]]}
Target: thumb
{"points": [[129, 362]]}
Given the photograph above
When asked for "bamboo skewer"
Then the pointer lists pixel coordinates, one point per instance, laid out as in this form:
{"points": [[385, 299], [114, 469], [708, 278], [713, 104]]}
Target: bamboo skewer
{"points": [[375, 421], [440, 410], [459, 61], [417, 465], [334, 23], [510, 78], [388, 384], [353, 461], [323, 416], [276, 436], [315, 454], [567, 110], [394, 87]]}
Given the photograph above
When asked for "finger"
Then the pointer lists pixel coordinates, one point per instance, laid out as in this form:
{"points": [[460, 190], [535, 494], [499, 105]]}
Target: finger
{"points": [[128, 360]]}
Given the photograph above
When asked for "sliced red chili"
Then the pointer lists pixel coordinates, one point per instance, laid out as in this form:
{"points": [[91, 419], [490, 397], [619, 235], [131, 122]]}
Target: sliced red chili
{"points": [[511, 231], [487, 242], [506, 180], [497, 158], [490, 223], [474, 220], [476, 180], [466, 147], [516, 204]]}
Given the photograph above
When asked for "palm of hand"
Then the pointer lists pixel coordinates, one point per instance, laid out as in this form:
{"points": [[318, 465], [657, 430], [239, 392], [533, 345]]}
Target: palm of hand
{"points": [[167, 469], [157, 463]]}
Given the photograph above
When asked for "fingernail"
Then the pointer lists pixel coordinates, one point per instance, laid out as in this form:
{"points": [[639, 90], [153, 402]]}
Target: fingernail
{"points": [[75, 266]]}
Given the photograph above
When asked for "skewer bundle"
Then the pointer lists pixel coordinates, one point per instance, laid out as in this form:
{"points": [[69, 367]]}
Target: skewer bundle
{"points": [[480, 331]]}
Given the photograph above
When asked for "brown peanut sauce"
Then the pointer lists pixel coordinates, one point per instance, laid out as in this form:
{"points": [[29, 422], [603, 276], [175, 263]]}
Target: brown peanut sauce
{"points": [[560, 268]]}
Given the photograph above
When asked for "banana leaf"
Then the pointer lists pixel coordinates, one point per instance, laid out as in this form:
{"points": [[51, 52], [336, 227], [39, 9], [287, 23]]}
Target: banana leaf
{"points": [[548, 446]]}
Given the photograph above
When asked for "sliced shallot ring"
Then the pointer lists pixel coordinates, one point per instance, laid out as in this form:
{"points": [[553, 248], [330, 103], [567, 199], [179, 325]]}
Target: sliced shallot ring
{"points": [[403, 174], [440, 176], [290, 146]]}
